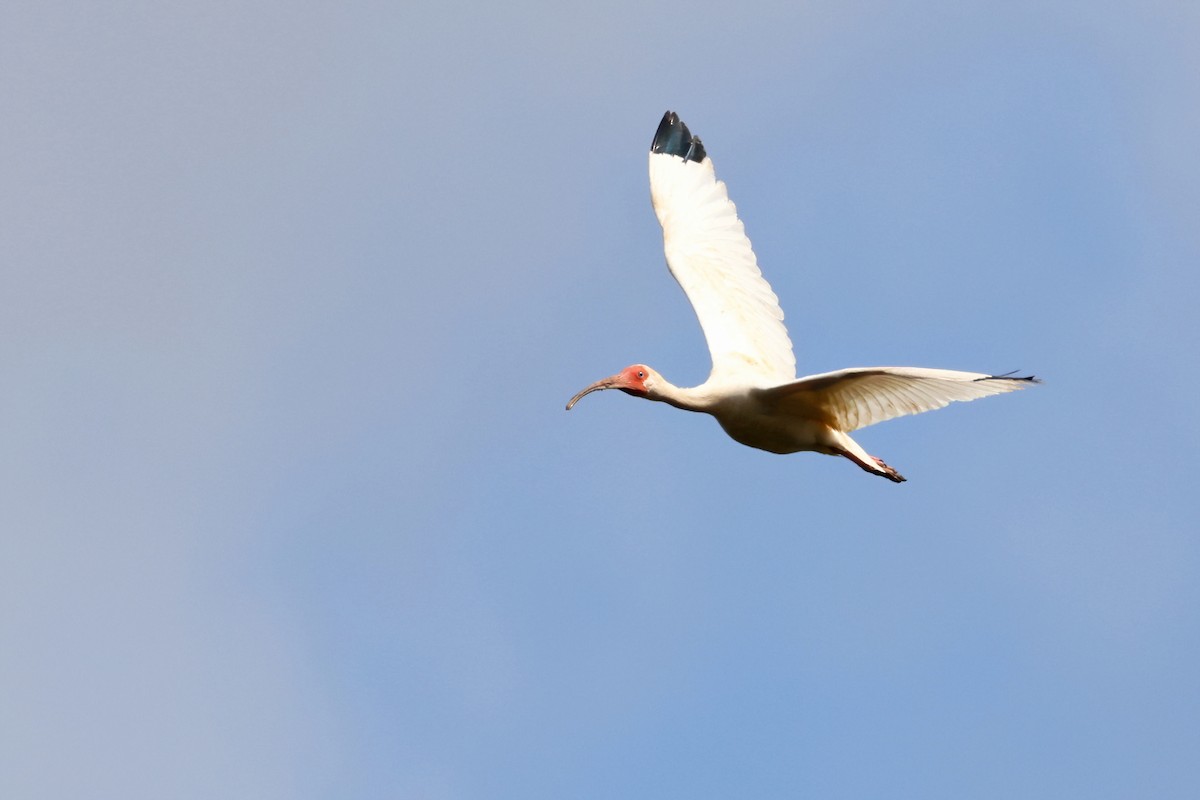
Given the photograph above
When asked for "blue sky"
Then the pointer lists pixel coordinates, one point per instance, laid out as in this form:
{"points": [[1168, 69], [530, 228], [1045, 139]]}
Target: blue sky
{"points": [[292, 299]]}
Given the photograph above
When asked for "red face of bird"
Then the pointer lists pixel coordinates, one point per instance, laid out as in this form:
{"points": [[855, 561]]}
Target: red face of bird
{"points": [[635, 380]]}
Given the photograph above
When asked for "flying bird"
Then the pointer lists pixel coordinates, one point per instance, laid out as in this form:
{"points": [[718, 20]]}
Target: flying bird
{"points": [[752, 390]]}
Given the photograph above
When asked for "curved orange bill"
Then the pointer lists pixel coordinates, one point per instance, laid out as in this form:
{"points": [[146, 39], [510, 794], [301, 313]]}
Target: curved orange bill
{"points": [[606, 383]]}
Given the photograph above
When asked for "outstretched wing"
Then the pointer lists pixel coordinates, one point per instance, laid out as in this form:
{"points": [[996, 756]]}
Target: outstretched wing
{"points": [[850, 399], [711, 258]]}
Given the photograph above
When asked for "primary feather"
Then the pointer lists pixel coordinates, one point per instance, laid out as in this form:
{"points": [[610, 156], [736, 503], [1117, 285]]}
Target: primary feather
{"points": [[850, 399], [710, 256]]}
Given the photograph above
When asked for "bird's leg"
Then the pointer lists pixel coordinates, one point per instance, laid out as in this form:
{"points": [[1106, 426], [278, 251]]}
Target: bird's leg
{"points": [[878, 468], [888, 472]]}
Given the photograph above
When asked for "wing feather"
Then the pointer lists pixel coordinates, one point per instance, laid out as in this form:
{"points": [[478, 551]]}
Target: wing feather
{"points": [[850, 399], [711, 258]]}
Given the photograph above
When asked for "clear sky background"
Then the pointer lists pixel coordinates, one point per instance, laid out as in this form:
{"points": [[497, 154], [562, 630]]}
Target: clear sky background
{"points": [[291, 300]]}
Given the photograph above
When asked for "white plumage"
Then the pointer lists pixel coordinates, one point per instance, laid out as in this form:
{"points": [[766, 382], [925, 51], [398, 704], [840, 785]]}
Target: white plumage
{"points": [[752, 389], [710, 256]]}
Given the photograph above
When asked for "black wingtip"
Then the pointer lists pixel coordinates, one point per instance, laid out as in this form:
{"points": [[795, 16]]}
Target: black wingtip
{"points": [[1011, 376], [674, 139]]}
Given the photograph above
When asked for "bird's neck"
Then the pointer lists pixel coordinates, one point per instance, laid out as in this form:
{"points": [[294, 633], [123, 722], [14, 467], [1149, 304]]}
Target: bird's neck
{"points": [[694, 399]]}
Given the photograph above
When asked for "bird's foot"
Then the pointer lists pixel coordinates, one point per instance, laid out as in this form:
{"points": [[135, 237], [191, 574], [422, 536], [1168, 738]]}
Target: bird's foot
{"points": [[879, 467], [888, 472]]}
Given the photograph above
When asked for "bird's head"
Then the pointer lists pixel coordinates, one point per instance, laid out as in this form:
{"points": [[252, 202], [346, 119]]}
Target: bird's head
{"points": [[637, 380]]}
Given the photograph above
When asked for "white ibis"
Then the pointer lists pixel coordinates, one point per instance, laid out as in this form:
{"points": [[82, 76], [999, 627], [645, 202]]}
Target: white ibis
{"points": [[752, 390]]}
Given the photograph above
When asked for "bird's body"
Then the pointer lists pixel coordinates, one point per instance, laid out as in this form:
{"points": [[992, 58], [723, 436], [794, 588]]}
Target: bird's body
{"points": [[753, 391], [748, 419]]}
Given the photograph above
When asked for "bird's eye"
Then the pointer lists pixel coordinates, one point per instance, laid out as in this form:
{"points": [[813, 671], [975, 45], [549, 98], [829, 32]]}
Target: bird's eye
{"points": [[641, 375]]}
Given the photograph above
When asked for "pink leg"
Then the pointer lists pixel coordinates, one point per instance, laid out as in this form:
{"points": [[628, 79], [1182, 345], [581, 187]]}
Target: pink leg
{"points": [[888, 472], [878, 468]]}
